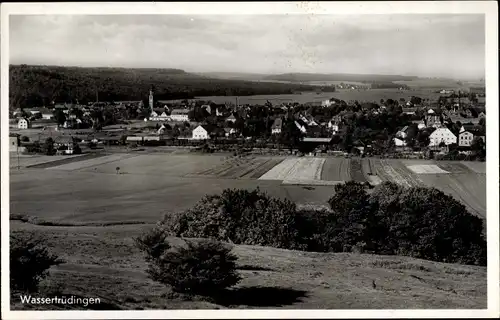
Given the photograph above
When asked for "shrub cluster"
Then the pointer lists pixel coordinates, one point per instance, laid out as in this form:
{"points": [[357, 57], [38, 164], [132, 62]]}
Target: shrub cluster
{"points": [[391, 219], [241, 217], [204, 267], [29, 261]]}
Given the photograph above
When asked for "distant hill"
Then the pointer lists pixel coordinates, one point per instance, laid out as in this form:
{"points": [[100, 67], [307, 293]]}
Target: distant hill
{"points": [[234, 76], [32, 86], [306, 77]]}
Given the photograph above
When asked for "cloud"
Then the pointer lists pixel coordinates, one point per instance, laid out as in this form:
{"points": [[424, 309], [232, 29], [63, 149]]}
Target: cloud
{"points": [[432, 45]]}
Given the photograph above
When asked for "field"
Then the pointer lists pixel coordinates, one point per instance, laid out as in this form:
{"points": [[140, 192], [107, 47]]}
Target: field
{"points": [[88, 213], [372, 95], [103, 262], [168, 178]]}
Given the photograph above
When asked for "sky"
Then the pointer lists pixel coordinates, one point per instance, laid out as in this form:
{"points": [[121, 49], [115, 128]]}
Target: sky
{"points": [[435, 45]]}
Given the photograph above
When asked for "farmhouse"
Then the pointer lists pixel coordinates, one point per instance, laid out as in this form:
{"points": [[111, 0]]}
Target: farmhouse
{"points": [[23, 123], [277, 126], [204, 132], [64, 144], [46, 114], [442, 135], [399, 142], [180, 115]]}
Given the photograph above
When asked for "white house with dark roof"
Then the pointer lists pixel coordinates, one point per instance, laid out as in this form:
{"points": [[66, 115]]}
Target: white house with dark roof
{"points": [[277, 126], [23, 123], [203, 132], [442, 135]]}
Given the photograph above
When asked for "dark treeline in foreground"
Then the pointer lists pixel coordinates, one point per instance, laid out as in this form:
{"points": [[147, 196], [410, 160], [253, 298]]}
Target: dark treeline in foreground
{"points": [[419, 222], [35, 86]]}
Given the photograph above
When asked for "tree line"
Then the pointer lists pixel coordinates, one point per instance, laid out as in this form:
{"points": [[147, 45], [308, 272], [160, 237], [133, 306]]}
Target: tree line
{"points": [[35, 86]]}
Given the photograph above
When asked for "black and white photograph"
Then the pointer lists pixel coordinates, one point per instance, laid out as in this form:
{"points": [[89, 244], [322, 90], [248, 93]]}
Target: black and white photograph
{"points": [[223, 157]]}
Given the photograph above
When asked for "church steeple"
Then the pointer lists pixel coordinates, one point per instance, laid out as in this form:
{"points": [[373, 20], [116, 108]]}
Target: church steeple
{"points": [[151, 105]]}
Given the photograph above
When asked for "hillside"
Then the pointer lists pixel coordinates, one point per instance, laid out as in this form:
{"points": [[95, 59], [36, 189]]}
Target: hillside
{"points": [[234, 75], [306, 77], [32, 86], [102, 262]]}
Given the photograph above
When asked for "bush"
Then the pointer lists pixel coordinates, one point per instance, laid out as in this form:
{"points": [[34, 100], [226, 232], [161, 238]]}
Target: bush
{"points": [[241, 217], [29, 261], [205, 267]]}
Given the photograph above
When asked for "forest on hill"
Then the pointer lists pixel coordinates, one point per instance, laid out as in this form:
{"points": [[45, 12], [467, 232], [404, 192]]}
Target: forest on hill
{"points": [[33, 86], [367, 78]]}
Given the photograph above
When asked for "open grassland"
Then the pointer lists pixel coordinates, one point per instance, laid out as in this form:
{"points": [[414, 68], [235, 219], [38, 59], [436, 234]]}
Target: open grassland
{"points": [[103, 262], [74, 196]]}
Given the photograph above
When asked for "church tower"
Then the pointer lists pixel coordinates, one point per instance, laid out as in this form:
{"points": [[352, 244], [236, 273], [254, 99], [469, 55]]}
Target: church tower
{"points": [[151, 105]]}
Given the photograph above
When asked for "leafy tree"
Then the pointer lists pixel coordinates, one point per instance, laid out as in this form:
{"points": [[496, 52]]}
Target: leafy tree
{"points": [[30, 261], [48, 147], [60, 117]]}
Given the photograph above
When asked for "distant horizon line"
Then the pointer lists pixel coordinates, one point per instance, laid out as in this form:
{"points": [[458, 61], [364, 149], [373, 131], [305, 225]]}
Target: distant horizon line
{"points": [[251, 73]]}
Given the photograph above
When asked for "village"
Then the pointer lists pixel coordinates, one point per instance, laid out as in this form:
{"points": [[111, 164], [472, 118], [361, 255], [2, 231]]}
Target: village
{"points": [[453, 123]]}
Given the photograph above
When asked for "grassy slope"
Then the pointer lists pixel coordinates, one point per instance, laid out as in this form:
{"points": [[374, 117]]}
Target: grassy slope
{"points": [[102, 261]]}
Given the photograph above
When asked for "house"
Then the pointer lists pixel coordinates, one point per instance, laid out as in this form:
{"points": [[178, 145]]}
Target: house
{"points": [[179, 115], [398, 142], [420, 124], [468, 127], [230, 132], [204, 132], [23, 123], [334, 126], [277, 126], [465, 138], [433, 120], [64, 144], [302, 128], [47, 114], [159, 115], [327, 103], [410, 111], [231, 118], [71, 123], [442, 135], [403, 133]]}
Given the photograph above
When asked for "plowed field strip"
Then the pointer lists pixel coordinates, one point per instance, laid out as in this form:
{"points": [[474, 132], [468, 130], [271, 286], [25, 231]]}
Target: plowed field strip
{"points": [[236, 170], [393, 174], [265, 167], [454, 167], [280, 171], [357, 171]]}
